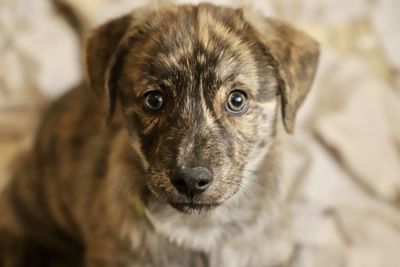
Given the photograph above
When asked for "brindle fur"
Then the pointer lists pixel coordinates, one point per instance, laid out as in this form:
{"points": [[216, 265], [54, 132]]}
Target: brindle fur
{"points": [[90, 194]]}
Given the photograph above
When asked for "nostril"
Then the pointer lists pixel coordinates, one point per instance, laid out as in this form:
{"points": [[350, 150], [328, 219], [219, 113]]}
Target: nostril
{"points": [[179, 183], [202, 184]]}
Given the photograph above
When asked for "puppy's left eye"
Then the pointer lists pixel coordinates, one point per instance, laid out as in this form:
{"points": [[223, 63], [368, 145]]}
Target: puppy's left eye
{"points": [[237, 102], [153, 101]]}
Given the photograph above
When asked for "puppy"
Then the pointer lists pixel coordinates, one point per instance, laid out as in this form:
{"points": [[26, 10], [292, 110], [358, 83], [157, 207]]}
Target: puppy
{"points": [[187, 167]]}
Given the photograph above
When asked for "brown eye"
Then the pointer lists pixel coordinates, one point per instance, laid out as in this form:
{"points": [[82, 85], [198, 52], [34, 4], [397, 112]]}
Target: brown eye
{"points": [[237, 102], [153, 100]]}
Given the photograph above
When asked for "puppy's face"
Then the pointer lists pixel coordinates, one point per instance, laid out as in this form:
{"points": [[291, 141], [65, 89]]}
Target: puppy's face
{"points": [[199, 90]]}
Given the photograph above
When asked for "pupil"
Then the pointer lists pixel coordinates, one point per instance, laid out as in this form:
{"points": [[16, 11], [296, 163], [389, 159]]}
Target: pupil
{"points": [[237, 100]]}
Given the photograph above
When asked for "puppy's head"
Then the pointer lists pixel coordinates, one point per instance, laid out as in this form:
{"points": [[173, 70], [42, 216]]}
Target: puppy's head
{"points": [[200, 88]]}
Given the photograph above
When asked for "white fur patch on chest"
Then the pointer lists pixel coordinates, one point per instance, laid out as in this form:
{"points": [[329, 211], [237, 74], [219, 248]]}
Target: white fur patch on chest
{"points": [[198, 232]]}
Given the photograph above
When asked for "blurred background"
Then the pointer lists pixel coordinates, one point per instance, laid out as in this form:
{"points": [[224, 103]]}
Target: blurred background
{"points": [[341, 182]]}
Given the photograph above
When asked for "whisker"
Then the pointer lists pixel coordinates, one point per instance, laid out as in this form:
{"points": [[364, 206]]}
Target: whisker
{"points": [[251, 171]]}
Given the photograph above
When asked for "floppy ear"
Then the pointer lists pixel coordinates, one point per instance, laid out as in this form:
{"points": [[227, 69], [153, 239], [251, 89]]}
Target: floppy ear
{"points": [[102, 50], [296, 55]]}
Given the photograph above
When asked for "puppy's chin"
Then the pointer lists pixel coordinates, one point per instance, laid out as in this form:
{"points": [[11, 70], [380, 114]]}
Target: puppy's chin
{"points": [[198, 205], [193, 208]]}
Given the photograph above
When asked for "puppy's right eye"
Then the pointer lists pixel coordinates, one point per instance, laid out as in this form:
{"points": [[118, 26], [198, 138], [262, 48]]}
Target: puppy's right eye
{"points": [[237, 102], [153, 101]]}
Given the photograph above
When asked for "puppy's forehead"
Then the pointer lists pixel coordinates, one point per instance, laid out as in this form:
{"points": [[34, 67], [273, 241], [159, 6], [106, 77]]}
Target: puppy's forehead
{"points": [[196, 44]]}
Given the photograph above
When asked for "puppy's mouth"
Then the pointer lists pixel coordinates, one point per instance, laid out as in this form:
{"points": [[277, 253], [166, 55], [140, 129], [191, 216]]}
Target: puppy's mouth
{"points": [[191, 207]]}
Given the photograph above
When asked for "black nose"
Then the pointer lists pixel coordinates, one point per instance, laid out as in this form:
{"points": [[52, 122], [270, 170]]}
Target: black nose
{"points": [[192, 181]]}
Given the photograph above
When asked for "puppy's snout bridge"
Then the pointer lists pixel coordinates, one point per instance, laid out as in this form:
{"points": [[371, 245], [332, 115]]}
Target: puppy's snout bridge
{"points": [[192, 181]]}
